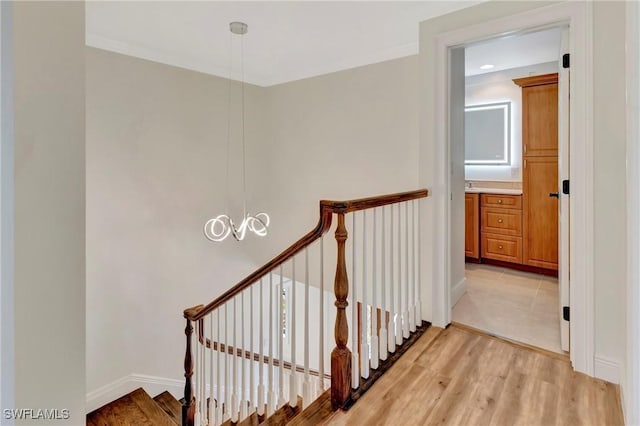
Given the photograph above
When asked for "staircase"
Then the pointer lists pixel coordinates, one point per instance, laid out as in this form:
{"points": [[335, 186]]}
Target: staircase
{"points": [[139, 409], [260, 353]]}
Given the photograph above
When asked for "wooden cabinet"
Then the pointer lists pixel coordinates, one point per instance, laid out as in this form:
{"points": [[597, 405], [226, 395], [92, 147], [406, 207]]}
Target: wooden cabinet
{"points": [[539, 115], [471, 222], [540, 212], [540, 170], [501, 227]]}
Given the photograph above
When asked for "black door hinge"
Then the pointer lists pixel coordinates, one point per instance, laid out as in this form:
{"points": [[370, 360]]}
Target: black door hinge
{"points": [[565, 313], [566, 59], [565, 186]]}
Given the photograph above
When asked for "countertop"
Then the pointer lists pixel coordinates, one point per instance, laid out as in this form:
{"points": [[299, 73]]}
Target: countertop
{"points": [[477, 190]]}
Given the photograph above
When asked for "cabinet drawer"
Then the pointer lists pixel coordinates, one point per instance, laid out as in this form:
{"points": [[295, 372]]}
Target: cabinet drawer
{"points": [[501, 200], [502, 221], [502, 247]]}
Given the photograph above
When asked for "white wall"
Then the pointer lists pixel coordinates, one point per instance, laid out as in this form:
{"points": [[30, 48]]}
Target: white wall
{"points": [[156, 170], [610, 179], [344, 135], [609, 140], [499, 87], [49, 125]]}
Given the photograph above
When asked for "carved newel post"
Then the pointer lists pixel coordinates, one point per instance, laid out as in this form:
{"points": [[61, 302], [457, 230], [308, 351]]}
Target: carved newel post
{"points": [[341, 355], [189, 406]]}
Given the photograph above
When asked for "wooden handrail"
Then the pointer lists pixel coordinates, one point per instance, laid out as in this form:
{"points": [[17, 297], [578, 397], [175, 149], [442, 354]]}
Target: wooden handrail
{"points": [[372, 202], [327, 209]]}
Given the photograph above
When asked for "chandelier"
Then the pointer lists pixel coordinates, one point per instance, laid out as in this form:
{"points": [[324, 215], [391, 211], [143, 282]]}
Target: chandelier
{"points": [[220, 227]]}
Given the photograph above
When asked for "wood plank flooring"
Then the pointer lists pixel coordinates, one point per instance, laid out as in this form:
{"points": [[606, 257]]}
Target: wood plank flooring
{"points": [[461, 377]]}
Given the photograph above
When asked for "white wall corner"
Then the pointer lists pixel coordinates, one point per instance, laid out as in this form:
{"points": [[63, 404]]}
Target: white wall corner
{"points": [[153, 385], [457, 291], [607, 369]]}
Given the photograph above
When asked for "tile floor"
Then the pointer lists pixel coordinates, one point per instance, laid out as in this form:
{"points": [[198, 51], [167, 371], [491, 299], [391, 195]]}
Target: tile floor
{"points": [[516, 305]]}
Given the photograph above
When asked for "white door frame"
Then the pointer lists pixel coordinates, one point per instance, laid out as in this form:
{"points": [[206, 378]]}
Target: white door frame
{"points": [[578, 16], [7, 341]]}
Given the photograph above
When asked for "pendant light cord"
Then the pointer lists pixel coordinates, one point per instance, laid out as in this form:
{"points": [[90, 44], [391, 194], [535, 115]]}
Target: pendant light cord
{"points": [[229, 120], [242, 112], [244, 174]]}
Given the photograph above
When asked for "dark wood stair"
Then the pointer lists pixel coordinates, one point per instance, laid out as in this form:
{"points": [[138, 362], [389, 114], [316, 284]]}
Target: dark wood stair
{"points": [[137, 409], [170, 405]]}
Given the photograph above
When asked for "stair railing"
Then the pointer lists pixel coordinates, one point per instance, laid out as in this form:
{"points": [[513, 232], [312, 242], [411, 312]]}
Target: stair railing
{"points": [[245, 339]]}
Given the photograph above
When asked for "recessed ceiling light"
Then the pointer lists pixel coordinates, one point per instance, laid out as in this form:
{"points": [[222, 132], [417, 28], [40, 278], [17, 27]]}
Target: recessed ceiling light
{"points": [[487, 66]]}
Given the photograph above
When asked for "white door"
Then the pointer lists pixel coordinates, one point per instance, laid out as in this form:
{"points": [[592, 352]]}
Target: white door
{"points": [[563, 174]]}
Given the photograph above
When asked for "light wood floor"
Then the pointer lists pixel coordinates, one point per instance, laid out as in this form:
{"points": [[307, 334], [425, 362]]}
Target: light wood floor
{"points": [[460, 377]]}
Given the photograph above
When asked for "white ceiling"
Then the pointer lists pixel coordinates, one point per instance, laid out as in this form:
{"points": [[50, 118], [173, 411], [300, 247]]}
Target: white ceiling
{"points": [[514, 51], [286, 40], [291, 40]]}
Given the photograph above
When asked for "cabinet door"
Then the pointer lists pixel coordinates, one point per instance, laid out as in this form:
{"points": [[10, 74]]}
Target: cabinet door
{"points": [[540, 212], [540, 120], [471, 221]]}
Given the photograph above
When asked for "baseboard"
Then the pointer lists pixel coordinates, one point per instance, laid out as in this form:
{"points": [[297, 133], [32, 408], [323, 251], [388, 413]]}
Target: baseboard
{"points": [[607, 369], [457, 291], [151, 384]]}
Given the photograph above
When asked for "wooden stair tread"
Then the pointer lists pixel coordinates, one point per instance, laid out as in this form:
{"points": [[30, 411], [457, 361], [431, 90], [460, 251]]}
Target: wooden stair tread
{"points": [[316, 413], [284, 415], [281, 416], [134, 409], [170, 405]]}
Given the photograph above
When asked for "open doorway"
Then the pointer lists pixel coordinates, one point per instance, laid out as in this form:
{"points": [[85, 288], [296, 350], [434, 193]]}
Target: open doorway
{"points": [[511, 139]]}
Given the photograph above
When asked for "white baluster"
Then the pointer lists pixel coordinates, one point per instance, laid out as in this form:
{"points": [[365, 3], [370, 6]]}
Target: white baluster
{"points": [[418, 276], [203, 375], [242, 392], [391, 330], [234, 369], [355, 359], [306, 386], [408, 319], [282, 399], [271, 395], [293, 388], [203, 379], [399, 316], [201, 399], [213, 340], [321, 313], [261, 388], [374, 290], [252, 370], [227, 381], [364, 308], [383, 290], [219, 413], [412, 283], [196, 373]]}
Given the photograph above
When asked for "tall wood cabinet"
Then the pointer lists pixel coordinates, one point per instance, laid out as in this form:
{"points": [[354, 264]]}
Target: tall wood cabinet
{"points": [[540, 170]]}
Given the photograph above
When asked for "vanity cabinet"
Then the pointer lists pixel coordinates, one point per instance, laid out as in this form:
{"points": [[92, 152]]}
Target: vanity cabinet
{"points": [[501, 227], [471, 226]]}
